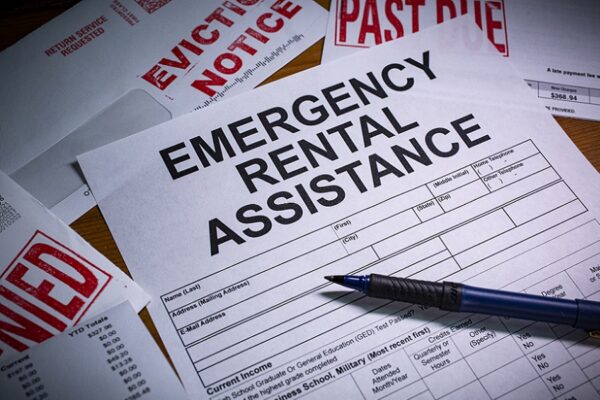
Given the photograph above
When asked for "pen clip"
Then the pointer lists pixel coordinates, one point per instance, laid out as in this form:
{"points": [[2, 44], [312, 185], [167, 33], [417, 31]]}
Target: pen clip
{"points": [[594, 334]]}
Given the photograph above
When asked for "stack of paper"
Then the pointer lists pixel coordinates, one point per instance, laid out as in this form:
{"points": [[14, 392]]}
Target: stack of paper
{"points": [[110, 68], [403, 159], [427, 157]]}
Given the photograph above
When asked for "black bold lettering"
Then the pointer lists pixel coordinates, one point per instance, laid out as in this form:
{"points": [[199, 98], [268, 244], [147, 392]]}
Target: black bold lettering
{"points": [[341, 129], [464, 132], [295, 208], [240, 136], [310, 205], [424, 66], [319, 110], [316, 187], [365, 123], [214, 226], [375, 88], [243, 217], [385, 75], [419, 156], [334, 100], [171, 162], [282, 163], [375, 161], [326, 150], [219, 142], [397, 126], [350, 169], [280, 122], [260, 173], [433, 147]]}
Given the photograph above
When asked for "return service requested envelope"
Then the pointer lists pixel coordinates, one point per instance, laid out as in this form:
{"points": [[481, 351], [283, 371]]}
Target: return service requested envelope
{"points": [[106, 69]]}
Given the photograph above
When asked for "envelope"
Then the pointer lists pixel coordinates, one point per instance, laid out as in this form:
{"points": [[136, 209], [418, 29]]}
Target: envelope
{"points": [[106, 69]]}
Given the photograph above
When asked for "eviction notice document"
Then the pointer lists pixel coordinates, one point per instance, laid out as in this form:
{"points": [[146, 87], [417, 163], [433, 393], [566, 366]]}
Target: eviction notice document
{"points": [[411, 159]]}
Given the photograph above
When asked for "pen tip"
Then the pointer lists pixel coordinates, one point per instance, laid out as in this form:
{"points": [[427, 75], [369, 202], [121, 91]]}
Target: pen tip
{"points": [[335, 278]]}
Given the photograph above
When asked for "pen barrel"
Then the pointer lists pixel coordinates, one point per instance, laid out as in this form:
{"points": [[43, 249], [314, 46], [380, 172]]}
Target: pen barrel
{"points": [[519, 305], [588, 315]]}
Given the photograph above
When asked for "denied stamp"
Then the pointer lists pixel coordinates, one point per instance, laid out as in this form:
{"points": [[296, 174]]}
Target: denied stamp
{"points": [[45, 289]]}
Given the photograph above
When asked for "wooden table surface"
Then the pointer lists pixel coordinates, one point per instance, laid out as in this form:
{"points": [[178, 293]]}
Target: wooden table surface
{"points": [[18, 18]]}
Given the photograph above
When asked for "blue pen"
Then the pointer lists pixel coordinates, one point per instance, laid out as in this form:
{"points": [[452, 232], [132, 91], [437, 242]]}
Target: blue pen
{"points": [[450, 296]]}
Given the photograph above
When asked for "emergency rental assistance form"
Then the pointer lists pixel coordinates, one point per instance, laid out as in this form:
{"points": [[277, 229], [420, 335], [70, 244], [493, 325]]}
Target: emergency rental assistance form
{"points": [[426, 158]]}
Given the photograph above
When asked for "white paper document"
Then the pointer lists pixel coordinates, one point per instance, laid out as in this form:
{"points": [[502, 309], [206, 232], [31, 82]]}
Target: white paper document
{"points": [[405, 159], [50, 278], [553, 43], [106, 69], [111, 356]]}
